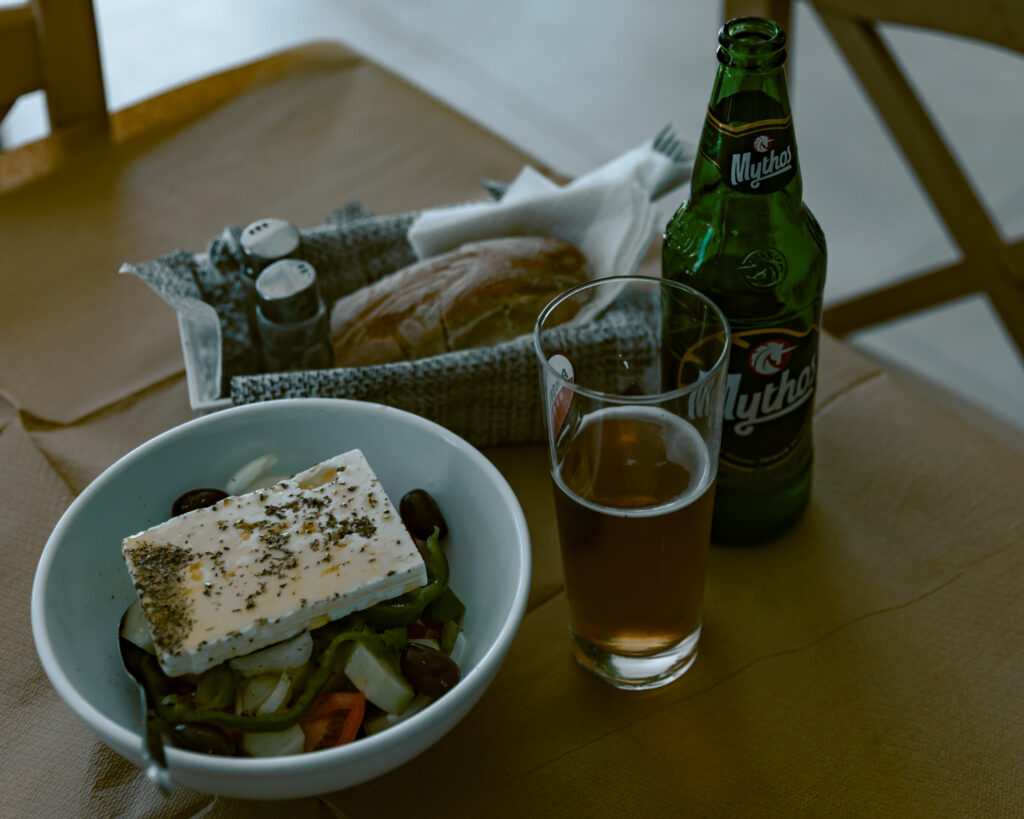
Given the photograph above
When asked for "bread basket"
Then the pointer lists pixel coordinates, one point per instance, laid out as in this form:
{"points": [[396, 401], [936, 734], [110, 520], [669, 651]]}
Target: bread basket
{"points": [[487, 395]]}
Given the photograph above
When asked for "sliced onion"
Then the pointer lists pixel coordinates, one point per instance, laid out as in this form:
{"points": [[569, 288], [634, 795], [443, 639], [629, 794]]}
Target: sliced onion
{"points": [[256, 691], [459, 649], [255, 470], [276, 658], [429, 642], [135, 629], [277, 697]]}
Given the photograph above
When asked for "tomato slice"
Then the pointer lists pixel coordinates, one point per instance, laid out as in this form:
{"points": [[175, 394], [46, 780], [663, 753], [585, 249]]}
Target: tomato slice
{"points": [[333, 720]]}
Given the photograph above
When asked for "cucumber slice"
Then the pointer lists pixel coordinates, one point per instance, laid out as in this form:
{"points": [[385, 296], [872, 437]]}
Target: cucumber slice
{"points": [[275, 743], [378, 680], [380, 722]]}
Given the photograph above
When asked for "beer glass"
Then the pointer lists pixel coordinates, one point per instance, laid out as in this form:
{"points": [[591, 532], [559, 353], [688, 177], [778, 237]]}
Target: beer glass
{"points": [[633, 467]]}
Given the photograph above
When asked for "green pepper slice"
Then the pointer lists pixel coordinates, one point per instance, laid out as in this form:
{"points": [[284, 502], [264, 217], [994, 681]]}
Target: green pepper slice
{"points": [[446, 607], [404, 609], [216, 688], [174, 709]]}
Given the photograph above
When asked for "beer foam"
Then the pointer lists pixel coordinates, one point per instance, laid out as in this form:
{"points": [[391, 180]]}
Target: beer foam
{"points": [[684, 445]]}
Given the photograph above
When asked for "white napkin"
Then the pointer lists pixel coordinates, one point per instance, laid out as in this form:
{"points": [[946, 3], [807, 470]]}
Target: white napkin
{"points": [[607, 213]]}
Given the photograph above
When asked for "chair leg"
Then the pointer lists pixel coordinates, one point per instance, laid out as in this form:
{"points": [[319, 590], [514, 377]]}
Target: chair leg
{"points": [[69, 53], [897, 300], [905, 297]]}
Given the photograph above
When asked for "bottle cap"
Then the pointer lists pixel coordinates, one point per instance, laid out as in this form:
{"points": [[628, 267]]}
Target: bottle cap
{"points": [[287, 291], [270, 239]]}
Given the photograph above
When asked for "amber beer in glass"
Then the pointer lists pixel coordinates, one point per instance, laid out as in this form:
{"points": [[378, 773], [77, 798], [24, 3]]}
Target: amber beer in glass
{"points": [[746, 239], [633, 468], [657, 492]]}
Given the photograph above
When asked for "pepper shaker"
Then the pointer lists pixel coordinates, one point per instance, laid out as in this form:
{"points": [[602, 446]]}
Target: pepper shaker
{"points": [[291, 318], [263, 242]]}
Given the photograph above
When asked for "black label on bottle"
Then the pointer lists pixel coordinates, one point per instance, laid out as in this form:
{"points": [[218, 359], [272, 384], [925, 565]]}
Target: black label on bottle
{"points": [[769, 395], [756, 157]]}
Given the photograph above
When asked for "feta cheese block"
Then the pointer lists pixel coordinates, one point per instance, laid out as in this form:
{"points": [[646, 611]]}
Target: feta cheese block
{"points": [[254, 569]]}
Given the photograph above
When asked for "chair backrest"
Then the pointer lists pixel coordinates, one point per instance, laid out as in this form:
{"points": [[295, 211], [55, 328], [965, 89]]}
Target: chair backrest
{"points": [[989, 263], [51, 46]]}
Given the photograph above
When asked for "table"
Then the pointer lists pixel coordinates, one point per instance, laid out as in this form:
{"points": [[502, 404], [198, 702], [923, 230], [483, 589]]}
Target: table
{"points": [[868, 663]]}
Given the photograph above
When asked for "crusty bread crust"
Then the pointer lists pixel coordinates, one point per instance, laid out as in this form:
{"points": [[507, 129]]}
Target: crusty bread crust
{"points": [[483, 293]]}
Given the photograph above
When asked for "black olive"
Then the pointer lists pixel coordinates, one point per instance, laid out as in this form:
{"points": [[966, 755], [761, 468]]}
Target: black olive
{"points": [[428, 670], [202, 738], [421, 514], [197, 499]]}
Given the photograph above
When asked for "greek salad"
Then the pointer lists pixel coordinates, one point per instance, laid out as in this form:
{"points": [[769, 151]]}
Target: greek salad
{"points": [[334, 682]]}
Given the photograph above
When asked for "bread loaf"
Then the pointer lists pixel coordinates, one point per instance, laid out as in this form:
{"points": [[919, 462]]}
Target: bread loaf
{"points": [[482, 293]]}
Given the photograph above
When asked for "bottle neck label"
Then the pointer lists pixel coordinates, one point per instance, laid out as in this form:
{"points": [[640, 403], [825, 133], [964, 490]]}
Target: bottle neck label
{"points": [[752, 158], [769, 395]]}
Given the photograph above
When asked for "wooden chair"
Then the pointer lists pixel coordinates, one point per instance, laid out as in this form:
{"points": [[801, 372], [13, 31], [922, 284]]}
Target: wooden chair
{"points": [[51, 46], [989, 264]]}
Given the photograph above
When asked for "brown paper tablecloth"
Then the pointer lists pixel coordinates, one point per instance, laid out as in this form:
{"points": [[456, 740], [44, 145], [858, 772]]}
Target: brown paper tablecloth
{"points": [[868, 663]]}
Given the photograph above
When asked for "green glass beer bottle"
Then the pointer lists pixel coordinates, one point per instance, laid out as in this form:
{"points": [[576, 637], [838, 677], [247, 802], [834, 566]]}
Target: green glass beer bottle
{"points": [[746, 239]]}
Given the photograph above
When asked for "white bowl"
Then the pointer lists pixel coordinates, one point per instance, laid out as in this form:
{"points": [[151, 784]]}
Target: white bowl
{"points": [[82, 586]]}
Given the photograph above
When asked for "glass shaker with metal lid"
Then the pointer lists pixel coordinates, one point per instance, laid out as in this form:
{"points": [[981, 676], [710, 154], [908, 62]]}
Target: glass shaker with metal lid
{"points": [[264, 242], [291, 318], [267, 240]]}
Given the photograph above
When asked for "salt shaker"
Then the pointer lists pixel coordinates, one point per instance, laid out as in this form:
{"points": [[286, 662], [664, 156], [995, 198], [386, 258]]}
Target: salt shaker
{"points": [[291, 318], [263, 242]]}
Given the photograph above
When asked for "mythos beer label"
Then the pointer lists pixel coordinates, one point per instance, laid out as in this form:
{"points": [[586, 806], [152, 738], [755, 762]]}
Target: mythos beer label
{"points": [[769, 395], [753, 157]]}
